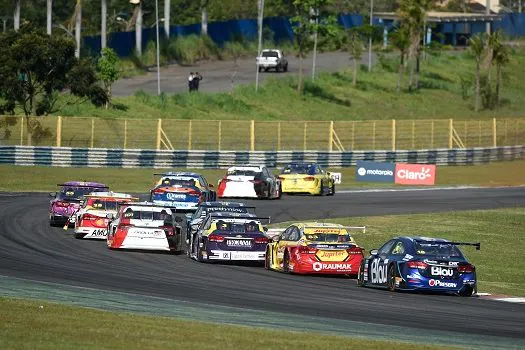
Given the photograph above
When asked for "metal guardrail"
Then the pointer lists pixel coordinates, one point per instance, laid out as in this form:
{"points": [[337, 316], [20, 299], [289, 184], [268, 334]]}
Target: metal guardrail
{"points": [[136, 158]]}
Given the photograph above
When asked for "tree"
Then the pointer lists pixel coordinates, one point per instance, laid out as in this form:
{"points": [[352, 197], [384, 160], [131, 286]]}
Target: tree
{"points": [[413, 14], [500, 57], [204, 17], [109, 72], [401, 41], [36, 68], [305, 29], [477, 48], [355, 49]]}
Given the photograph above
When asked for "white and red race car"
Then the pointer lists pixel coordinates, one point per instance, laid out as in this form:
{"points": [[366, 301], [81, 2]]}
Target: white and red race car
{"points": [[145, 226], [249, 181], [91, 219]]}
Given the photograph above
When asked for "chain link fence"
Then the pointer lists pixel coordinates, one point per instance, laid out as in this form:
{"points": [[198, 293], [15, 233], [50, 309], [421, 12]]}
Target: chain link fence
{"points": [[250, 135]]}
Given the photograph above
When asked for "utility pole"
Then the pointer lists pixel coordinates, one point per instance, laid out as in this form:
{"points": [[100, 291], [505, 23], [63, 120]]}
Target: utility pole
{"points": [[158, 45], [260, 17], [167, 10], [314, 58], [370, 37], [49, 16]]}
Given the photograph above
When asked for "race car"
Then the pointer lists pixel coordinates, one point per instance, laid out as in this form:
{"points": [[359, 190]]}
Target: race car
{"points": [[420, 263], [315, 248], [229, 236], [66, 201], [91, 219], [308, 178], [182, 191], [249, 181], [145, 226], [193, 220]]}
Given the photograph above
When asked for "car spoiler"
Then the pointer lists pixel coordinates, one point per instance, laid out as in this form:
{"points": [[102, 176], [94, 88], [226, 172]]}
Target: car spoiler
{"points": [[477, 245], [240, 217], [141, 204], [226, 206], [64, 185], [348, 228], [117, 199]]}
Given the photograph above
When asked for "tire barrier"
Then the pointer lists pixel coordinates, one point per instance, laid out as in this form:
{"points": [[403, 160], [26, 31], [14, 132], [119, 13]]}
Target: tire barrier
{"points": [[139, 158]]}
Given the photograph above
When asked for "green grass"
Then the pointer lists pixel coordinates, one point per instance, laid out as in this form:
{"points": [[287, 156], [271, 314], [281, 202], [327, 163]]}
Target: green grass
{"points": [[500, 232], [33, 324], [20, 178], [331, 97]]}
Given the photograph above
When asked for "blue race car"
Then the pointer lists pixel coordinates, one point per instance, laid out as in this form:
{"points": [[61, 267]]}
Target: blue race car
{"points": [[419, 263]]}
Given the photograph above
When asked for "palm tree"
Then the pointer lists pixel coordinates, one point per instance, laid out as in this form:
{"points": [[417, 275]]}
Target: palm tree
{"points": [[167, 11], [16, 15], [477, 48], [501, 57], [78, 26], [401, 41], [355, 49]]}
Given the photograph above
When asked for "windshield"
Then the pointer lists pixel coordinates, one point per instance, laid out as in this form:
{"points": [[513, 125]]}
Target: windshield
{"points": [[238, 172], [146, 215], [179, 182], [437, 249], [102, 204], [270, 54], [76, 193], [299, 169], [329, 237], [234, 227]]}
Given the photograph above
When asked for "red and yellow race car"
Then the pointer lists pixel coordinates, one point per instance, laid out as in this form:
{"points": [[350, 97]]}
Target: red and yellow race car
{"points": [[315, 248]]}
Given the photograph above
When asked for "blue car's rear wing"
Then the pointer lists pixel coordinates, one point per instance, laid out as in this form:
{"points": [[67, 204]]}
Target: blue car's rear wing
{"points": [[477, 245]]}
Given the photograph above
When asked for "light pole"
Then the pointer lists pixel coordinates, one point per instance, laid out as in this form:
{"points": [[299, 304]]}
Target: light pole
{"points": [[370, 37], [314, 59], [260, 22], [158, 44]]}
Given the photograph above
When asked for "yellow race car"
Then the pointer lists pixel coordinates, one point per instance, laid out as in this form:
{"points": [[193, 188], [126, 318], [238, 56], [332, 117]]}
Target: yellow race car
{"points": [[309, 178], [314, 248]]}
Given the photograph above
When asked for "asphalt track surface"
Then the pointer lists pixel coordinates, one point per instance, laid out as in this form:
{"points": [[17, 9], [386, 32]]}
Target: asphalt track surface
{"points": [[217, 75], [32, 250]]}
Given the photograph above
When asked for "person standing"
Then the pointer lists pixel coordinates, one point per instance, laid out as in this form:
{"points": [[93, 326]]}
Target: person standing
{"points": [[196, 80], [191, 85]]}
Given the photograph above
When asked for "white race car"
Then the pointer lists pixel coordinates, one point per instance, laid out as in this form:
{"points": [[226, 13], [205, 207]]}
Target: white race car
{"points": [[91, 219], [145, 226], [250, 181]]}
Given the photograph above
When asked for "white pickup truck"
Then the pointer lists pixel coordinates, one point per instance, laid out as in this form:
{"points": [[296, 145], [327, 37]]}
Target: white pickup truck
{"points": [[272, 59]]}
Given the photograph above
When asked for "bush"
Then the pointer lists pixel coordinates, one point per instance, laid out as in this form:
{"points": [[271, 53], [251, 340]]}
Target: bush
{"points": [[149, 56], [192, 48]]}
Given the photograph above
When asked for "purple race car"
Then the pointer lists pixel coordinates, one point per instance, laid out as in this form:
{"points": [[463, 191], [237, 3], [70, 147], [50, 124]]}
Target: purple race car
{"points": [[68, 199]]}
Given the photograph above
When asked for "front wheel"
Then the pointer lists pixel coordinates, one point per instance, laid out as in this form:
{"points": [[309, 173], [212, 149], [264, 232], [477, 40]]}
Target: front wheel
{"points": [[198, 250], [321, 190], [268, 260], [391, 278], [466, 291], [332, 190], [286, 263]]}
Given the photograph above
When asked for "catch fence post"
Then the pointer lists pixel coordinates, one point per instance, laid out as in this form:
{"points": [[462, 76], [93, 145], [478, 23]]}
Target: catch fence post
{"points": [[494, 130], [304, 135], [432, 134], [125, 133], [450, 130], [159, 128], [278, 136], [59, 131], [374, 135], [331, 136], [393, 134], [22, 131], [219, 132], [190, 125], [92, 139], [252, 135], [413, 134]]}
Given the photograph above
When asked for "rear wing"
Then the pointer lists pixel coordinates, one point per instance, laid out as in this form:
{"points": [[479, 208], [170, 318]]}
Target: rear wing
{"points": [[272, 232], [90, 186], [477, 245], [240, 217], [348, 228]]}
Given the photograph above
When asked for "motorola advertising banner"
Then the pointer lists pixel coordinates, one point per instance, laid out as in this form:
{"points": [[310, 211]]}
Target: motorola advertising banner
{"points": [[375, 171]]}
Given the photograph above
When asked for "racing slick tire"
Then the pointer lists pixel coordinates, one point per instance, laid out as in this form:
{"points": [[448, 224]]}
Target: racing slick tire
{"points": [[286, 262], [332, 190], [391, 278], [286, 68], [268, 260], [279, 192], [52, 221], [78, 235], [261, 69], [361, 275], [466, 291], [321, 190], [198, 253]]}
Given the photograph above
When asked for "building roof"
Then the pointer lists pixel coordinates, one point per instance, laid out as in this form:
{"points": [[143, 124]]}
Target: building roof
{"points": [[439, 17]]}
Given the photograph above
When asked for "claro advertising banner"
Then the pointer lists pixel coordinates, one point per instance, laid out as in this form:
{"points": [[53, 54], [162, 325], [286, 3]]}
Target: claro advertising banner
{"points": [[415, 174], [374, 171]]}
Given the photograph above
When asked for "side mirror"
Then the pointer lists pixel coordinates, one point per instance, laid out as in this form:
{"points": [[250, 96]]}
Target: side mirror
{"points": [[52, 194], [110, 216], [373, 252]]}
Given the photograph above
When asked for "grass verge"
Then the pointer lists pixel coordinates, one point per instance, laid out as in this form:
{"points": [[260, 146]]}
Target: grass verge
{"points": [[500, 232], [20, 178], [31, 324], [446, 92]]}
